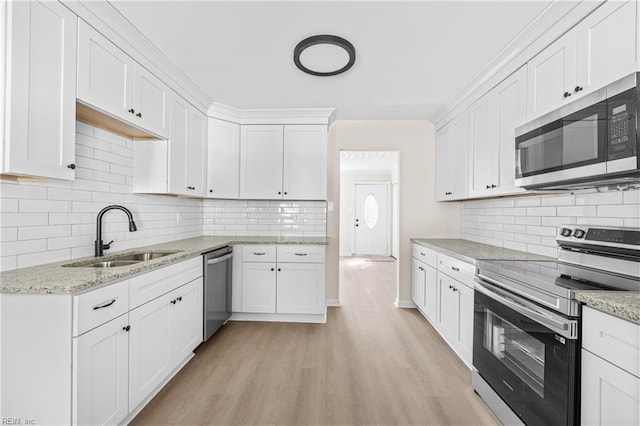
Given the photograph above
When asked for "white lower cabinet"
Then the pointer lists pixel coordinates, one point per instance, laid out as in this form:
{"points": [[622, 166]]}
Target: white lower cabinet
{"points": [[445, 297], [279, 283], [101, 374], [610, 379]]}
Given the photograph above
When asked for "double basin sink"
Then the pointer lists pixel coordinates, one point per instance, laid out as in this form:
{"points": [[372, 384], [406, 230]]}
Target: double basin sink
{"points": [[124, 260]]}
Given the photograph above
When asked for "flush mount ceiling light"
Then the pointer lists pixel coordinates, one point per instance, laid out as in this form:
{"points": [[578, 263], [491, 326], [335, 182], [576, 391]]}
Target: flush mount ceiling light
{"points": [[324, 55]]}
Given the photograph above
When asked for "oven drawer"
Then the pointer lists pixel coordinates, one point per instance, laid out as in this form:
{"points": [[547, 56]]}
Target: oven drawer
{"points": [[614, 339], [423, 254], [457, 269]]}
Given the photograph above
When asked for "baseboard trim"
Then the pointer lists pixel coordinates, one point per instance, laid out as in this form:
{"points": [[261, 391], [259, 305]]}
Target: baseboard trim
{"points": [[334, 303], [404, 304], [307, 318]]}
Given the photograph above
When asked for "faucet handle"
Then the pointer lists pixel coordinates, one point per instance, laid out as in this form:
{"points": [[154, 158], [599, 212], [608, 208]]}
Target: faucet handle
{"points": [[107, 246]]}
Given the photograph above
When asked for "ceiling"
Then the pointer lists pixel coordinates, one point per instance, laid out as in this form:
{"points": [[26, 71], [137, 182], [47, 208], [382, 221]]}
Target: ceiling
{"points": [[412, 57]]}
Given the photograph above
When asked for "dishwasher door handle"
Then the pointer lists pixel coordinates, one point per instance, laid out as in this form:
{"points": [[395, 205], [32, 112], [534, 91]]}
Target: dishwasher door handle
{"points": [[219, 259]]}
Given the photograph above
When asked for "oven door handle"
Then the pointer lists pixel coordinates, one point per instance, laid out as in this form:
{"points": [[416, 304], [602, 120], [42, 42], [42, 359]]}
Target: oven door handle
{"points": [[219, 259], [565, 327]]}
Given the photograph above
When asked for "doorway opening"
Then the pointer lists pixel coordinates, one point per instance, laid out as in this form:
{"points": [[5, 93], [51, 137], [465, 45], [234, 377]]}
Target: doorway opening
{"points": [[369, 228]]}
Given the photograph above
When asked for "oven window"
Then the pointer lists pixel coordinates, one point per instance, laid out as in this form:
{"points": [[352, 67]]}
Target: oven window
{"points": [[521, 353]]}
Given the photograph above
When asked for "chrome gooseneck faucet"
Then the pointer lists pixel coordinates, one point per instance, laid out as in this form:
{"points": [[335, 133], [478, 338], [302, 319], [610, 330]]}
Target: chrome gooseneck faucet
{"points": [[99, 246]]}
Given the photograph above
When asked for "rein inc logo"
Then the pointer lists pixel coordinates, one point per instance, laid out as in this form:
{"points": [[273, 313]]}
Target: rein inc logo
{"points": [[17, 421]]}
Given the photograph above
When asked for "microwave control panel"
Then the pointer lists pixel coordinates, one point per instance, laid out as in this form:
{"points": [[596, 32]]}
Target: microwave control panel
{"points": [[621, 125]]}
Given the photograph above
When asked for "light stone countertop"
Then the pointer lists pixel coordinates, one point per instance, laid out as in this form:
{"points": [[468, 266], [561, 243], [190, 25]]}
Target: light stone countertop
{"points": [[623, 304], [470, 251], [53, 278]]}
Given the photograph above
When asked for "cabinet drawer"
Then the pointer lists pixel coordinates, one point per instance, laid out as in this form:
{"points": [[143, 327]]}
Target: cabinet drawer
{"points": [[153, 284], [96, 307], [612, 338], [428, 256], [302, 254], [259, 253], [456, 269]]}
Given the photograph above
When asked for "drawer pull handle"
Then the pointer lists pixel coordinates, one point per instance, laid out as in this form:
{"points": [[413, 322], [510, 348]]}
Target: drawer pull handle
{"points": [[455, 268], [300, 254], [126, 328], [106, 305], [422, 254], [259, 254]]}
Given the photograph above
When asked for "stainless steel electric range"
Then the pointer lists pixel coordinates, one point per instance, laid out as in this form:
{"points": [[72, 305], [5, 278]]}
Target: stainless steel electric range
{"points": [[526, 338]]}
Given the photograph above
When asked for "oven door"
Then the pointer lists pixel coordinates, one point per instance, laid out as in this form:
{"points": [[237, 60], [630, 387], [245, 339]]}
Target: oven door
{"points": [[570, 148], [528, 355]]}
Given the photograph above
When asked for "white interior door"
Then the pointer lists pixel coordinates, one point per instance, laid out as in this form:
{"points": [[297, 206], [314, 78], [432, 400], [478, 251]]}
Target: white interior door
{"points": [[371, 222]]}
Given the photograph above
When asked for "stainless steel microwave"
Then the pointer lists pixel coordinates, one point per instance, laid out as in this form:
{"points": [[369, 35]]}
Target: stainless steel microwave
{"points": [[590, 142]]}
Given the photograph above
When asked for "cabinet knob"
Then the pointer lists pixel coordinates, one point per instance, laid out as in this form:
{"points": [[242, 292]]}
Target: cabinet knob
{"points": [[211, 191], [577, 89], [71, 166], [272, 269], [285, 192], [139, 115], [126, 328], [179, 298], [279, 270], [566, 94], [488, 186], [132, 111], [454, 289], [494, 186], [191, 187], [279, 193], [173, 302]]}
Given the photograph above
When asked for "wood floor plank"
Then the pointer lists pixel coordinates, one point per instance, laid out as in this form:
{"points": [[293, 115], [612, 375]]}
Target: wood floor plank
{"points": [[370, 364]]}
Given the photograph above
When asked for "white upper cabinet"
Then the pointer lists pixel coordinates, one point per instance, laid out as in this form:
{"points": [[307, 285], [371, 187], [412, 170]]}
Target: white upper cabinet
{"points": [[261, 162], [39, 137], [452, 159], [105, 74], [196, 152], [305, 163], [597, 51], [494, 118], [607, 44], [111, 82], [223, 154], [154, 98]]}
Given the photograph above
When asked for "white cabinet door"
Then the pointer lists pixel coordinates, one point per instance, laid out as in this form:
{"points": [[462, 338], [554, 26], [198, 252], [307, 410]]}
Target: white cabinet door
{"points": [[458, 155], [41, 104], [551, 75], [300, 288], [483, 144], [151, 102], [609, 395], [430, 292], [258, 287], [224, 159], [105, 74], [261, 162], [464, 321], [417, 283], [511, 113], [150, 358], [607, 44], [185, 319], [305, 163], [446, 307], [196, 158], [178, 165], [444, 173], [101, 374]]}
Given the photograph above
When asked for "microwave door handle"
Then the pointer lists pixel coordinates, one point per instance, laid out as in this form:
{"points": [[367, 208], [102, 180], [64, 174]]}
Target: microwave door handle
{"points": [[219, 259], [561, 327]]}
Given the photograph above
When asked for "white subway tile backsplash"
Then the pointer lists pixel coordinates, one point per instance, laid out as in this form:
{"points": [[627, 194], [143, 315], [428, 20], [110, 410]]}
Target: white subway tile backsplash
{"points": [[21, 247], [532, 224], [8, 234], [34, 206], [38, 232], [32, 259], [9, 205], [23, 219]]}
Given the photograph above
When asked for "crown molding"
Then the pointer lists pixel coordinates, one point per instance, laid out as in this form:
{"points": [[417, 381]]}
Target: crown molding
{"points": [[554, 21], [108, 21], [271, 116]]}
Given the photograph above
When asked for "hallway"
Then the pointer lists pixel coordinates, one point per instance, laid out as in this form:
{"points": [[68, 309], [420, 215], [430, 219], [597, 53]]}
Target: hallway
{"points": [[370, 364]]}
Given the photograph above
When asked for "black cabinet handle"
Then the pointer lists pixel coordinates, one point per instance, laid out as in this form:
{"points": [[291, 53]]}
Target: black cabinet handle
{"points": [[106, 305], [279, 270], [488, 186], [566, 94], [126, 328], [173, 302], [455, 268], [454, 289], [132, 111], [71, 166], [578, 89], [448, 193], [279, 193], [300, 254], [179, 298], [139, 115], [285, 192], [211, 191], [272, 269], [191, 187], [494, 186]]}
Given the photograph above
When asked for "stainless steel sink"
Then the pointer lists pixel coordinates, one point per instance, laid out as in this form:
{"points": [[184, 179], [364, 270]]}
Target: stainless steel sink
{"points": [[123, 260]]}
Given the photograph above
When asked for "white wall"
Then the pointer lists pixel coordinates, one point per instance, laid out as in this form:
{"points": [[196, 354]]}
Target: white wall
{"points": [[530, 223], [420, 215], [49, 221], [347, 200]]}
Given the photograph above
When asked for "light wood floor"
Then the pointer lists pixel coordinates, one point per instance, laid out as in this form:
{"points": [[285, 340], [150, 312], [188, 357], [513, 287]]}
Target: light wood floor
{"points": [[370, 364]]}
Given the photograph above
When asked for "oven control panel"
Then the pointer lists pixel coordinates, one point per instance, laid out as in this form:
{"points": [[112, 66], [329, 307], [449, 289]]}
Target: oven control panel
{"points": [[601, 236]]}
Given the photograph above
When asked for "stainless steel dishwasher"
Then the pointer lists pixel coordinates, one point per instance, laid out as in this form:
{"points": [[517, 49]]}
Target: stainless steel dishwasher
{"points": [[217, 289]]}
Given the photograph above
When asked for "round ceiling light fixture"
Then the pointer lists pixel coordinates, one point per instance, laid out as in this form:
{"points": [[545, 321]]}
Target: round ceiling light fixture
{"points": [[324, 55]]}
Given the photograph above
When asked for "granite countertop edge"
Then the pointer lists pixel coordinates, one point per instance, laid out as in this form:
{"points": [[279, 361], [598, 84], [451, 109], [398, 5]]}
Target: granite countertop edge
{"points": [[622, 304], [471, 251], [54, 278]]}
